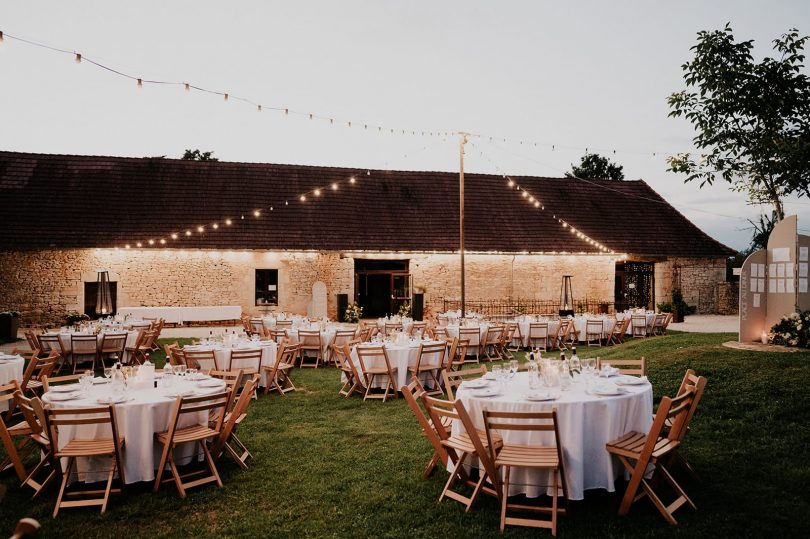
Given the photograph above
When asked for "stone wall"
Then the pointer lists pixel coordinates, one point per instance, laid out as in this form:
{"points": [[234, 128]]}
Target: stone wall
{"points": [[699, 277], [46, 284]]}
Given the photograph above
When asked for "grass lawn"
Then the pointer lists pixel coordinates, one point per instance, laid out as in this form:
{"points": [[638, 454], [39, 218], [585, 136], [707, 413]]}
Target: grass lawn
{"points": [[328, 466]]}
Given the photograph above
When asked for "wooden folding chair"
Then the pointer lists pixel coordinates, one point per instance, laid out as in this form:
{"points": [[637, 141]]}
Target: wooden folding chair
{"points": [[31, 337], [113, 347], [215, 406], [638, 325], [459, 448], [453, 379], [594, 331], [171, 354], [232, 380], [310, 347], [38, 368], [538, 332], [11, 428], [515, 344], [637, 451], [388, 328], [354, 381], [616, 334], [205, 360], [418, 329], [698, 383], [430, 361], [49, 381], [48, 343], [439, 333], [34, 413], [83, 346], [278, 374], [492, 338], [376, 354], [505, 341], [457, 355], [633, 367], [567, 334], [473, 338], [107, 446], [412, 393], [250, 364], [342, 336], [538, 457], [227, 438], [658, 324]]}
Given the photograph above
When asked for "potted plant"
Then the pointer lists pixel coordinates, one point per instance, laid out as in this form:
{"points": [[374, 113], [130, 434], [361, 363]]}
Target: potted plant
{"points": [[405, 310], [9, 324], [679, 306], [74, 317]]}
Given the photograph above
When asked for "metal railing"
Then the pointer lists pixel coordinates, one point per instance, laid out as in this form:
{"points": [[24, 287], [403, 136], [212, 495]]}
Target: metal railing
{"points": [[515, 307]]}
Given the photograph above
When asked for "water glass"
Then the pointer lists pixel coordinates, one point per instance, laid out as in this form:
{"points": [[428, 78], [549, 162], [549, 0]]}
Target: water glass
{"points": [[513, 368]]}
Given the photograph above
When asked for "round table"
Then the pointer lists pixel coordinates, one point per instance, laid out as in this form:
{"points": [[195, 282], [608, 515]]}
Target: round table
{"points": [[11, 368], [586, 423], [146, 412], [67, 346]]}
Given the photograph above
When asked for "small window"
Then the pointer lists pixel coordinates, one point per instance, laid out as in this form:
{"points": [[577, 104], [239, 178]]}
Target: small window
{"points": [[266, 287]]}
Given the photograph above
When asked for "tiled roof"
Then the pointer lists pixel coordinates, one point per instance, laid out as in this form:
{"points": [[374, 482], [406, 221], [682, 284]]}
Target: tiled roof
{"points": [[65, 201]]}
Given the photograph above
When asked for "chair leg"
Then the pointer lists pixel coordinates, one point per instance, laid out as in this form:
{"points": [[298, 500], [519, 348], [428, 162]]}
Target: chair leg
{"points": [[505, 497], [65, 476]]}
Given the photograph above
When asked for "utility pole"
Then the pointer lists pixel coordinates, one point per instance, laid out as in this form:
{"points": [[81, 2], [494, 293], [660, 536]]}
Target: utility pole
{"points": [[462, 141]]}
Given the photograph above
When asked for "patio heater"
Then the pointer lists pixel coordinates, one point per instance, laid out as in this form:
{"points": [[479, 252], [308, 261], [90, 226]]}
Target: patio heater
{"points": [[103, 294], [566, 297]]}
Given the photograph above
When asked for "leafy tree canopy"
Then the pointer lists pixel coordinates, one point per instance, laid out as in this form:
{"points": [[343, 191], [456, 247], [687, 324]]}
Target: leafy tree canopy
{"points": [[593, 166], [197, 155], [752, 118]]}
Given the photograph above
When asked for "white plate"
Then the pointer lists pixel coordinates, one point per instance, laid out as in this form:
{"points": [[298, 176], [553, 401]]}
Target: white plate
{"points": [[631, 380], [606, 391], [210, 383], [62, 396], [539, 396], [486, 392], [475, 384], [489, 376], [68, 388]]}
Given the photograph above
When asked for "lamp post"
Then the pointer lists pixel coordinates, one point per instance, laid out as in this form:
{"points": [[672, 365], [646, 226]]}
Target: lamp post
{"points": [[103, 293]]}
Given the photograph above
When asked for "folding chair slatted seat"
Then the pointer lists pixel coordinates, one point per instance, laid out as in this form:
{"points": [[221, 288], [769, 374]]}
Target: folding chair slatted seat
{"points": [[543, 457], [195, 434], [107, 446]]}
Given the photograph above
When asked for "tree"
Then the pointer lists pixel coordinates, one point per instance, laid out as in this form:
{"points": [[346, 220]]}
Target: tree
{"points": [[593, 166], [752, 118], [197, 155], [762, 231]]}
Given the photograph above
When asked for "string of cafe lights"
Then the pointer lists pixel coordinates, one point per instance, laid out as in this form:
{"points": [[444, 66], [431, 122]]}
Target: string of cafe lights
{"points": [[332, 120], [173, 238], [538, 204]]}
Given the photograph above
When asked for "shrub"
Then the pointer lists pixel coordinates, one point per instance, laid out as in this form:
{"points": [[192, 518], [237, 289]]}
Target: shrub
{"points": [[792, 330]]}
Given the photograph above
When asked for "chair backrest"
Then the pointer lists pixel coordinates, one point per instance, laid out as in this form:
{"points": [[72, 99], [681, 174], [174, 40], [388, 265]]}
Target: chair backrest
{"points": [[365, 353], [594, 326], [494, 335], [284, 324], [113, 342], [50, 342], [453, 379], [471, 335], [203, 359], [392, 326], [442, 320], [309, 339], [232, 380], [32, 339], [636, 367], [431, 354], [538, 330], [248, 357], [638, 320], [83, 344], [342, 336], [34, 413], [545, 421], [50, 381], [418, 329], [7, 392], [39, 367], [170, 350], [73, 417], [696, 384], [215, 404], [440, 333]]}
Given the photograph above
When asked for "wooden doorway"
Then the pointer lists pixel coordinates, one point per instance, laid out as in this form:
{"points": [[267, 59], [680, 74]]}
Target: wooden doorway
{"points": [[381, 286]]}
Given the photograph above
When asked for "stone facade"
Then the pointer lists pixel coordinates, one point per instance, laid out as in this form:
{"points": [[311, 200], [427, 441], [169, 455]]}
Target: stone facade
{"points": [[46, 284], [698, 279]]}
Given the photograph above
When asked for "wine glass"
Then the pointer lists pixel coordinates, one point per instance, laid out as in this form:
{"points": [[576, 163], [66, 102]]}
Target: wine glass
{"points": [[107, 372], [513, 368]]}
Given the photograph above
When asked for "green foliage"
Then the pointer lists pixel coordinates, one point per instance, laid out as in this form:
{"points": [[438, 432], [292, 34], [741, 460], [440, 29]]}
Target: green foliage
{"points": [[752, 118], [197, 155], [593, 166], [762, 231], [665, 307], [405, 309], [792, 330], [73, 317], [679, 306], [329, 466]]}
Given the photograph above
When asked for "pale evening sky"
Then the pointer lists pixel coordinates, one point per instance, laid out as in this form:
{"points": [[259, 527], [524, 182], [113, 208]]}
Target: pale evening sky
{"points": [[573, 74]]}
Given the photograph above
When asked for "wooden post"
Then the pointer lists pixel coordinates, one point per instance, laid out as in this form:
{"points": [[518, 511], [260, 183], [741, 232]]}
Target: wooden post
{"points": [[462, 142]]}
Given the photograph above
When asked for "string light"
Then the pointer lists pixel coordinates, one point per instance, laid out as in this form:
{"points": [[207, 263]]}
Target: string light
{"points": [[174, 235], [162, 241], [200, 229], [215, 226], [256, 213], [317, 192], [78, 58], [151, 242], [188, 232], [334, 187], [228, 222]]}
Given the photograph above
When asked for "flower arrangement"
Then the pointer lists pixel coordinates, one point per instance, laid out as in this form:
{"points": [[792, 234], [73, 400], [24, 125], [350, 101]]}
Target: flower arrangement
{"points": [[74, 317], [353, 313], [792, 330], [405, 309]]}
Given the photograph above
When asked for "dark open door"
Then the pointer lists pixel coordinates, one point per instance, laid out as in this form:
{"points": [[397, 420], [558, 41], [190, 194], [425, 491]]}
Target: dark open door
{"points": [[381, 286], [91, 296], [635, 285]]}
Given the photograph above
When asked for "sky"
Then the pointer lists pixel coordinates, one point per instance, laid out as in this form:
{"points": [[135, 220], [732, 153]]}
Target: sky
{"points": [[568, 76]]}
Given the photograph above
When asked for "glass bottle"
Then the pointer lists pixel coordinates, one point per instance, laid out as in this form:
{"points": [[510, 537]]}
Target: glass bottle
{"points": [[575, 364]]}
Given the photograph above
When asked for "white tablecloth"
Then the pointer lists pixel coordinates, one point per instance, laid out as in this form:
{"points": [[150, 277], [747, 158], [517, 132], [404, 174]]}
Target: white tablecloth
{"points": [[580, 323], [586, 423], [67, 346], [648, 318], [11, 368], [223, 356], [400, 357], [453, 331], [138, 420], [178, 315]]}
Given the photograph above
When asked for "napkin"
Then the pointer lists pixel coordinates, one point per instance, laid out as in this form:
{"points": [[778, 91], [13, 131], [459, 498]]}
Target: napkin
{"points": [[607, 372]]}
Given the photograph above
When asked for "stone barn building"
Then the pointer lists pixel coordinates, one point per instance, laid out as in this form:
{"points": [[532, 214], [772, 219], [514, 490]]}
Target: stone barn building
{"points": [[200, 233]]}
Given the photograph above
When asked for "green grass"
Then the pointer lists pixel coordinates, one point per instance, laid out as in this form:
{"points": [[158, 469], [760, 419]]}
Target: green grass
{"points": [[328, 466]]}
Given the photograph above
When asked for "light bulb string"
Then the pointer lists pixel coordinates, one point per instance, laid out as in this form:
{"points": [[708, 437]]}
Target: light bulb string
{"points": [[325, 117]]}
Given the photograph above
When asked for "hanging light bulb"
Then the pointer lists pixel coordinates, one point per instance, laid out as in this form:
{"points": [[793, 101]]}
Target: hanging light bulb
{"points": [[187, 86], [162, 241], [151, 242], [228, 222], [303, 198], [215, 226], [138, 244], [226, 97], [126, 246], [140, 83], [259, 108], [334, 187], [188, 232], [317, 192], [256, 213], [174, 235], [78, 58], [200, 229], [352, 179]]}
